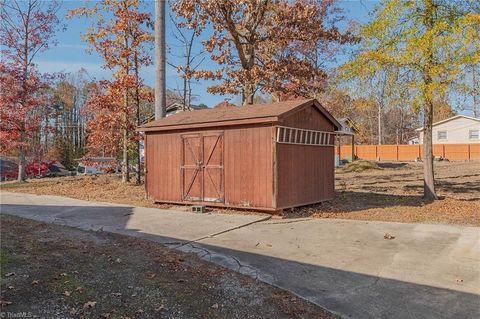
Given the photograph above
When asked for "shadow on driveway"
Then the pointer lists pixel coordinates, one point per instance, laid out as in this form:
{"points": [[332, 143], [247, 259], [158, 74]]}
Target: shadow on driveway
{"points": [[346, 293]]}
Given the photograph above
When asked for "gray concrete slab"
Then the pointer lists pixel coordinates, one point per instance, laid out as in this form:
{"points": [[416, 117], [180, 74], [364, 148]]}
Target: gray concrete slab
{"points": [[162, 225], [427, 271]]}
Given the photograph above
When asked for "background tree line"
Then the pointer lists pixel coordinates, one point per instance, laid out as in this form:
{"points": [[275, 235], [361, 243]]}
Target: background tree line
{"points": [[412, 63]]}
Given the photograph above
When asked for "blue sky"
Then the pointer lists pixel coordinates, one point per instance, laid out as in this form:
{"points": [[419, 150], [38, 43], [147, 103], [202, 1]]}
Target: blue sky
{"points": [[70, 54]]}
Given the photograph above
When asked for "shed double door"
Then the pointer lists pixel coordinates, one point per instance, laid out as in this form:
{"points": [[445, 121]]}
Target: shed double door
{"points": [[202, 177]]}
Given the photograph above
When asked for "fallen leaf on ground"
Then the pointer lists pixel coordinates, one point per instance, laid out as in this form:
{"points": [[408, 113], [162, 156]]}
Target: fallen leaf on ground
{"points": [[11, 287], [10, 274], [89, 304], [79, 289], [106, 315], [67, 293], [160, 308], [388, 236], [214, 306], [35, 282], [5, 303]]}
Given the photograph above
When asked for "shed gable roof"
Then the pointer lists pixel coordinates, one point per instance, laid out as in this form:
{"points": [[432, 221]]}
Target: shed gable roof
{"points": [[259, 113]]}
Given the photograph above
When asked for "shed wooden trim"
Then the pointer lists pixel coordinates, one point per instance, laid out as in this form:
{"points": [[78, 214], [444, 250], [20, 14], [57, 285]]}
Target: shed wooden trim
{"points": [[305, 203], [274, 167], [208, 124], [306, 137], [221, 205]]}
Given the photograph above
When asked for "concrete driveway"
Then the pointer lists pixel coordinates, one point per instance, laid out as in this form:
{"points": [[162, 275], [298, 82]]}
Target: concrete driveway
{"points": [[347, 267]]}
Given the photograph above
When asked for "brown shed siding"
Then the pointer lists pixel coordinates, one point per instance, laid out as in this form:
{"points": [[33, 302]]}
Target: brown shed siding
{"points": [[247, 168], [305, 176], [305, 173], [163, 166], [308, 118]]}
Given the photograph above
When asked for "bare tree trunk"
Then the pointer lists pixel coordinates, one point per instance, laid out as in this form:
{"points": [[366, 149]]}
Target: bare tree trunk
{"points": [[184, 104], [379, 124], [381, 107], [189, 92], [402, 119], [125, 172], [137, 108], [21, 160], [248, 94], [429, 193], [428, 175], [475, 93], [47, 116], [125, 162], [160, 58], [187, 80], [21, 156]]}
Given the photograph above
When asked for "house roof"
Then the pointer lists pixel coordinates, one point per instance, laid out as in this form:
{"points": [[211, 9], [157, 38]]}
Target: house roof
{"points": [[172, 107], [450, 119], [224, 104], [259, 113], [178, 105], [346, 121]]}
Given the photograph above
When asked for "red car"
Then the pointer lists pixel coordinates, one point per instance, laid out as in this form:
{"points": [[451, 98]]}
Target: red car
{"points": [[36, 169]]}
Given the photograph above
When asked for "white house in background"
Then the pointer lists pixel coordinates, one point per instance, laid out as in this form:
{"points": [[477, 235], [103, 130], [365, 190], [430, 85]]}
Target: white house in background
{"points": [[176, 107], [459, 129]]}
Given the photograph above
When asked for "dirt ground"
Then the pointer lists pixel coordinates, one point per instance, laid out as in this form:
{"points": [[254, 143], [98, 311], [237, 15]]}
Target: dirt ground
{"points": [[393, 192], [61, 272], [389, 192], [102, 188]]}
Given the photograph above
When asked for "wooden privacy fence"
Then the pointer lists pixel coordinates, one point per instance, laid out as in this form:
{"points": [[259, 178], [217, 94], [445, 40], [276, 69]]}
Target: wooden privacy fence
{"points": [[452, 152]]}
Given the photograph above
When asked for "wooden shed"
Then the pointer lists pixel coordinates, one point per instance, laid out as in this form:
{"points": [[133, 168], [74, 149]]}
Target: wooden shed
{"points": [[267, 156]]}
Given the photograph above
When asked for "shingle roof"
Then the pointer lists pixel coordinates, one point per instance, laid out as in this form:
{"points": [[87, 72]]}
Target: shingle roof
{"points": [[450, 119], [268, 111]]}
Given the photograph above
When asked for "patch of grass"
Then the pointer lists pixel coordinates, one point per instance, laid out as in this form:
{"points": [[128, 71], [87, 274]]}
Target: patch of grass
{"points": [[27, 184], [5, 257], [359, 166], [36, 248], [66, 283], [13, 185]]}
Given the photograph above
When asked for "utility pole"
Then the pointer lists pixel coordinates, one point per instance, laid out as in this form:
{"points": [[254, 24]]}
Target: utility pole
{"points": [[160, 58]]}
